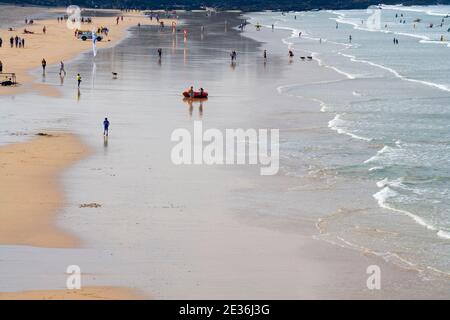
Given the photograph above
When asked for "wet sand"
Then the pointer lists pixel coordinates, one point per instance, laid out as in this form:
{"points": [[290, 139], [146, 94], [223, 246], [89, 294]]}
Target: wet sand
{"points": [[58, 44], [30, 190]]}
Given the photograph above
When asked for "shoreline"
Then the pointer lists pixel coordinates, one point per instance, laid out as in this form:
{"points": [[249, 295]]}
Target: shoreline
{"points": [[393, 262], [58, 44]]}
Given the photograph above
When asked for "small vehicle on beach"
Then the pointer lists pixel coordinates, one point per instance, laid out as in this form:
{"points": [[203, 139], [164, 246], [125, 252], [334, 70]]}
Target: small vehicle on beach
{"points": [[197, 95], [85, 35]]}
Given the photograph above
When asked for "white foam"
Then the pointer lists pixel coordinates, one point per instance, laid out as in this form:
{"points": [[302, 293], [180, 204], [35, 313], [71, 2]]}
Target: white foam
{"points": [[443, 234], [386, 193], [376, 157], [320, 62], [337, 123], [395, 73]]}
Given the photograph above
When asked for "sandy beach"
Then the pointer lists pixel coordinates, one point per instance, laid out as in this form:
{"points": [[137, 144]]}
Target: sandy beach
{"points": [[58, 44], [169, 231], [89, 293], [30, 190]]}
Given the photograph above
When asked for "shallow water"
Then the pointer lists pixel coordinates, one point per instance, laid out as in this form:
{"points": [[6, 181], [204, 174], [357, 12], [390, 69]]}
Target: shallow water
{"points": [[395, 97]]}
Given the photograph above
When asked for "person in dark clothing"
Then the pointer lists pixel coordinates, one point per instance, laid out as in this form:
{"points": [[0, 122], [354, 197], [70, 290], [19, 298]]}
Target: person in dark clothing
{"points": [[11, 42], [44, 64], [106, 127]]}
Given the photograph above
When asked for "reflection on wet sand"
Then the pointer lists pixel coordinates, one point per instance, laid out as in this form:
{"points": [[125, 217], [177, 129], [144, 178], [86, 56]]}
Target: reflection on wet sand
{"points": [[191, 101]]}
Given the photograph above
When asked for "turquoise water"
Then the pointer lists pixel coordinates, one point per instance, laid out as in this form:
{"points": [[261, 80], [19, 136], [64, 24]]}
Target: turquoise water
{"points": [[393, 98]]}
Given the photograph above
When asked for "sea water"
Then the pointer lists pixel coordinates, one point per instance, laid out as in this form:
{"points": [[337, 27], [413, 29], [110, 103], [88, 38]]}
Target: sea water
{"points": [[395, 98]]}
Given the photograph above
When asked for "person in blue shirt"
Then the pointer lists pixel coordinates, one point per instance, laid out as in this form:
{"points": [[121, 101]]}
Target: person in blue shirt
{"points": [[106, 127]]}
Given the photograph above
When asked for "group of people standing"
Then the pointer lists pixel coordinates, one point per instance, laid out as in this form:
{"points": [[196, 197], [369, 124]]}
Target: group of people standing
{"points": [[119, 19], [14, 41]]}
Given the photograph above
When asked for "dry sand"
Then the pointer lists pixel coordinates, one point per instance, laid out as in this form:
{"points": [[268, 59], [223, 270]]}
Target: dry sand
{"points": [[30, 194], [30, 197], [58, 43], [88, 293]]}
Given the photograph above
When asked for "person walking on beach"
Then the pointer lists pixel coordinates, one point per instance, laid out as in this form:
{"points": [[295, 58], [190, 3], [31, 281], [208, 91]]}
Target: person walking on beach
{"points": [[78, 80], [106, 127], [233, 55], [159, 53], [1, 42], [11, 42], [23, 43], [265, 55], [44, 30], [44, 64], [16, 41], [61, 68], [1, 67]]}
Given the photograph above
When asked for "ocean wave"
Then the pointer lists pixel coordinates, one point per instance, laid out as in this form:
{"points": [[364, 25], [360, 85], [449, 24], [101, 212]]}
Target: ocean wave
{"points": [[337, 124], [322, 64], [377, 157], [397, 74], [376, 168], [387, 193]]}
